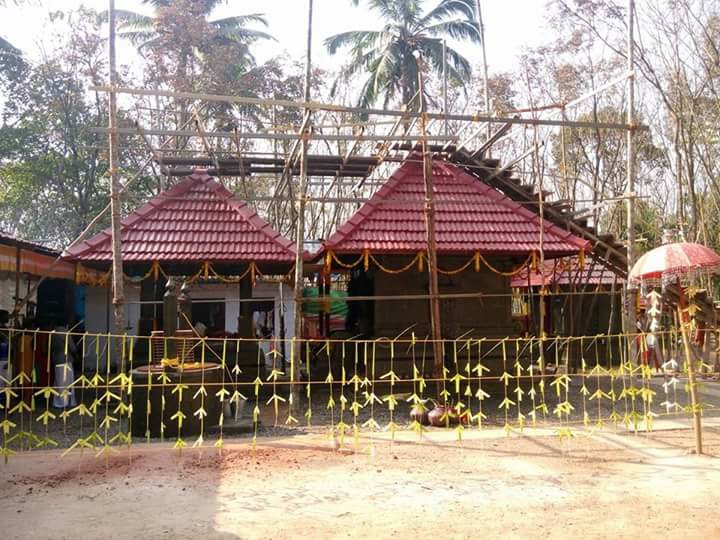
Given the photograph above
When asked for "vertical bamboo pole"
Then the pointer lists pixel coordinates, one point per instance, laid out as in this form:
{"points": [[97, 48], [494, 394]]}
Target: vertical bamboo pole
{"points": [[16, 302], [300, 225], [434, 289], [631, 317], [697, 421], [486, 92], [445, 84], [117, 264]]}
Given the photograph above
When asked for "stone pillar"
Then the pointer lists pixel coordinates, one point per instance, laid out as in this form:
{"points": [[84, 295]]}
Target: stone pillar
{"points": [[185, 307]]}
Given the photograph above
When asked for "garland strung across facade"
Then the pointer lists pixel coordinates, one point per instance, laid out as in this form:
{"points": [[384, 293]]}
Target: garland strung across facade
{"points": [[208, 271]]}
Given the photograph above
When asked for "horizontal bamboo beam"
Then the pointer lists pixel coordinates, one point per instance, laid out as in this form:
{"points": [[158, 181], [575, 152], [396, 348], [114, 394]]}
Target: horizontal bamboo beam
{"points": [[237, 171], [311, 105], [263, 136]]}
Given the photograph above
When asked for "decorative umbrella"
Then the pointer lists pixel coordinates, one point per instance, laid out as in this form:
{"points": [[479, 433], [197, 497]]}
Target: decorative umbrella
{"points": [[680, 263]]}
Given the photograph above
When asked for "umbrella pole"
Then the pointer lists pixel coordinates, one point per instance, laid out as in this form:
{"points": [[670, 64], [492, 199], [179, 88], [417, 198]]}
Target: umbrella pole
{"points": [[697, 421]]}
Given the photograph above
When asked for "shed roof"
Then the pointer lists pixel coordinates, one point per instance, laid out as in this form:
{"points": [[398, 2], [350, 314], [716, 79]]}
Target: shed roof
{"points": [[197, 220], [593, 274], [470, 216]]}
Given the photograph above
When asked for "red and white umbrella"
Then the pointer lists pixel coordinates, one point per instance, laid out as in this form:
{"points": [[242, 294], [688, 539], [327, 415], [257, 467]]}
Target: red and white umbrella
{"points": [[681, 263], [670, 263]]}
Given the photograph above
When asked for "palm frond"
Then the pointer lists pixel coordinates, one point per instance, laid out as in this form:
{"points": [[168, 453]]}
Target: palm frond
{"points": [[141, 39], [449, 8], [355, 38], [457, 29], [158, 3], [389, 9], [458, 67], [240, 20], [387, 54], [130, 20], [243, 35]]}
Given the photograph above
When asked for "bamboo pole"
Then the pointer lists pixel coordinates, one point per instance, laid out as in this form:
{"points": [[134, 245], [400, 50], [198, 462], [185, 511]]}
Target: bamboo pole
{"points": [[16, 300], [434, 289], [486, 90], [315, 106], [631, 317], [445, 86], [697, 420], [118, 284], [300, 223]]}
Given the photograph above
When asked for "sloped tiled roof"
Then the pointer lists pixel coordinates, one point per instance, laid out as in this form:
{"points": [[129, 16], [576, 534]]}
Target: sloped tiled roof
{"points": [[591, 274], [469, 216], [197, 220]]}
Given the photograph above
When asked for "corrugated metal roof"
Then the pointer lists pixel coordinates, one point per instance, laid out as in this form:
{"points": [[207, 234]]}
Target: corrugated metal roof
{"points": [[196, 220], [469, 216], [9, 240]]}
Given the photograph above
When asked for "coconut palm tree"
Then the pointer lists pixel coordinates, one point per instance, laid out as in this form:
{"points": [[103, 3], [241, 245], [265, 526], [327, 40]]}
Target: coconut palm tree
{"points": [[168, 29], [189, 51], [391, 57]]}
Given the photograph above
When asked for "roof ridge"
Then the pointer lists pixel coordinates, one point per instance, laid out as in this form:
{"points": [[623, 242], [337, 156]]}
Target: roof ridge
{"points": [[369, 206], [478, 228], [250, 215]]}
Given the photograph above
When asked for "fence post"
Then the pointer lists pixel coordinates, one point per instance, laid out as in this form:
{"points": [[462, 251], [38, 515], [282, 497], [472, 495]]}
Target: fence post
{"points": [[697, 421]]}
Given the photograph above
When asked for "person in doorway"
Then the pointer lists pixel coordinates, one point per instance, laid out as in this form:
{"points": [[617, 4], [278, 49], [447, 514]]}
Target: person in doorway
{"points": [[263, 334], [62, 353], [654, 351], [641, 353]]}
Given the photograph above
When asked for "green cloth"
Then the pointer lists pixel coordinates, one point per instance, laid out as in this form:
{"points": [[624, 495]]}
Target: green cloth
{"points": [[338, 305]]}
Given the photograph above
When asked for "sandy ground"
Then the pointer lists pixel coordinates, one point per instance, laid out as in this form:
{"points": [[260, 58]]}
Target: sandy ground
{"points": [[597, 485]]}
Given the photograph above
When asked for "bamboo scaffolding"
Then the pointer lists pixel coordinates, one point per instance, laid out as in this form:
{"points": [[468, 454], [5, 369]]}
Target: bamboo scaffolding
{"points": [[314, 106]]}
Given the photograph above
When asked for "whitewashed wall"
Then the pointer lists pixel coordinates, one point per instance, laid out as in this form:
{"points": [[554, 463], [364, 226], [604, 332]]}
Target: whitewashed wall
{"points": [[97, 317], [231, 294], [96, 310]]}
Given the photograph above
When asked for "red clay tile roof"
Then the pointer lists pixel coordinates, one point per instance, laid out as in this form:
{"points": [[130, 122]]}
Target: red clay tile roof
{"points": [[590, 274], [469, 216], [196, 220]]}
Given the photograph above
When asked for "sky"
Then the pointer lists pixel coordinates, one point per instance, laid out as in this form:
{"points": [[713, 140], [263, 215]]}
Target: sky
{"points": [[28, 27]]}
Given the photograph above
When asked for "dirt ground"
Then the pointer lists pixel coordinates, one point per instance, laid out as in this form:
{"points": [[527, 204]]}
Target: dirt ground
{"points": [[596, 485]]}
